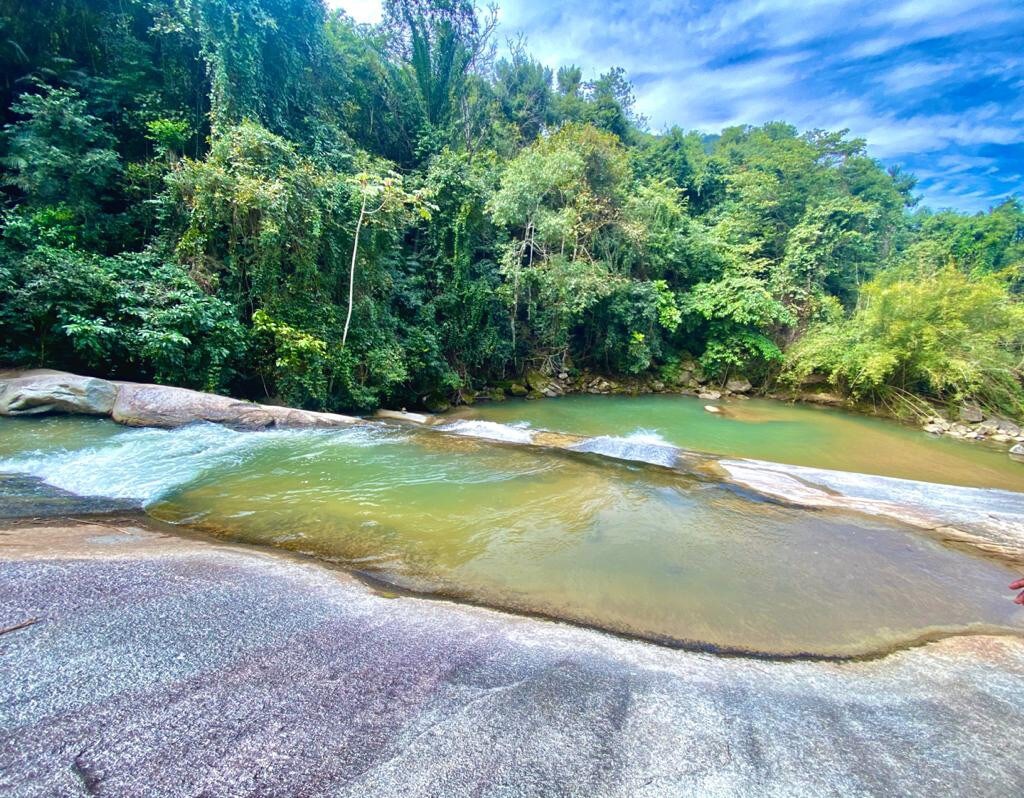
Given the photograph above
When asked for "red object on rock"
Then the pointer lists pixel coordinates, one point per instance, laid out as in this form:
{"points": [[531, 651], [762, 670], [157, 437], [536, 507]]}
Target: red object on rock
{"points": [[1018, 585]]}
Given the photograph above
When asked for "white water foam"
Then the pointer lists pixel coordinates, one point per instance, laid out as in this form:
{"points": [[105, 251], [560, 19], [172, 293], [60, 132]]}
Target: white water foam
{"points": [[147, 464], [642, 446], [490, 430]]}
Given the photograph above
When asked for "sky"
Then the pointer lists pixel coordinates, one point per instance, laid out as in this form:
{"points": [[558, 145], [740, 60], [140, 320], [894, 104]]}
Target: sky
{"points": [[936, 86]]}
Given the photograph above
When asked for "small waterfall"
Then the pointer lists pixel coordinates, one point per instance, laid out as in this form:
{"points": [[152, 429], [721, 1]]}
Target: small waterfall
{"points": [[642, 446], [146, 464], [490, 430]]}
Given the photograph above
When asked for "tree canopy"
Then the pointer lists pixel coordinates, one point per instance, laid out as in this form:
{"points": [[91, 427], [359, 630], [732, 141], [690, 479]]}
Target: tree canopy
{"points": [[264, 197]]}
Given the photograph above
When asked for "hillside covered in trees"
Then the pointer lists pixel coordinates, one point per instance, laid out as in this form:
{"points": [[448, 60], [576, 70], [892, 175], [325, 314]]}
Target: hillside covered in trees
{"points": [[264, 198]]}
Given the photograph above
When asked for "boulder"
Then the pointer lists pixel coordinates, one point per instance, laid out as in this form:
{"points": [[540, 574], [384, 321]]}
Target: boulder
{"points": [[739, 385], [44, 391], [961, 431], [811, 380], [713, 396], [139, 405], [831, 399], [163, 406], [1017, 452], [712, 409], [682, 378], [971, 413], [1000, 426], [517, 389], [538, 381]]}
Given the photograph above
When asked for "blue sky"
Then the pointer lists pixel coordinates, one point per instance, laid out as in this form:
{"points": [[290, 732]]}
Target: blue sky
{"points": [[934, 85]]}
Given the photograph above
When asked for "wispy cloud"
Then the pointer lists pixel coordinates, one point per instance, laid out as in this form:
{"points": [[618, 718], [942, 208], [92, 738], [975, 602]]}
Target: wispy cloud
{"points": [[936, 86]]}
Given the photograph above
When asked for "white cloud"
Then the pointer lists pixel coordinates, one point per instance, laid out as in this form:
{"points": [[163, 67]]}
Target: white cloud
{"points": [[368, 11]]}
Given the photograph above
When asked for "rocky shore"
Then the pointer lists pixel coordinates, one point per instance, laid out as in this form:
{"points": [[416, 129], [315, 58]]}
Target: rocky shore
{"points": [[137, 662]]}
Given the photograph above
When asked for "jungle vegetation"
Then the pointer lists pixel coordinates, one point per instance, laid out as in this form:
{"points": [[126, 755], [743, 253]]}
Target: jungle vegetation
{"points": [[265, 198]]}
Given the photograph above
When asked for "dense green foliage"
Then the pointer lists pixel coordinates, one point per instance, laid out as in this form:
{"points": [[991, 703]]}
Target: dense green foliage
{"points": [[263, 197]]}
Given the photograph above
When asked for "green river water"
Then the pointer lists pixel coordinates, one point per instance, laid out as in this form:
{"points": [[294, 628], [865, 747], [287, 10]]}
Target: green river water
{"points": [[624, 546]]}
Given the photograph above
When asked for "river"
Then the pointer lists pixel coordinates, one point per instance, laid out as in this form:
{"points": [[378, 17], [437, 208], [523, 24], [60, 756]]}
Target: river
{"points": [[628, 543]]}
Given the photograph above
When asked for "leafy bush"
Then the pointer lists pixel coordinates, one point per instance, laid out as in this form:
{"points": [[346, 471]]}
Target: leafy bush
{"points": [[134, 315], [941, 334]]}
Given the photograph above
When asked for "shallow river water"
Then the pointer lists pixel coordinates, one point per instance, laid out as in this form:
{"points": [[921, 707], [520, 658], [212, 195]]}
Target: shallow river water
{"points": [[624, 546]]}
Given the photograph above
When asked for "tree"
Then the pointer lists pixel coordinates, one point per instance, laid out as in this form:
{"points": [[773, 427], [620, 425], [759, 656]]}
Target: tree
{"points": [[381, 196]]}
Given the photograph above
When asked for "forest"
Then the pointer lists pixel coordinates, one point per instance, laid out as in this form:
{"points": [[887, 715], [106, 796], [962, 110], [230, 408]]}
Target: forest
{"points": [[267, 199]]}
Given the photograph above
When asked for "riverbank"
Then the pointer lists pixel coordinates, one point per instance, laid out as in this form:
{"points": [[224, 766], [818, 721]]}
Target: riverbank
{"points": [[166, 665]]}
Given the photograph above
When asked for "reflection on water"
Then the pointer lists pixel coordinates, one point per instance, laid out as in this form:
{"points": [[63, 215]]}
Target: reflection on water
{"points": [[623, 546], [766, 430]]}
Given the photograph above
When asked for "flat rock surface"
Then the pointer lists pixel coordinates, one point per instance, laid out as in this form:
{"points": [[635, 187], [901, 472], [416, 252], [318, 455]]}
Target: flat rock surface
{"points": [[162, 665]]}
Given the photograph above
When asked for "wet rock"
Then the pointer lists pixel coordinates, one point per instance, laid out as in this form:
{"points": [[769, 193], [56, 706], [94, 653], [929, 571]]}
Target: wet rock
{"points": [[739, 385], [961, 431], [496, 395], [538, 381], [1000, 426], [402, 415], [517, 389], [713, 396], [971, 413], [933, 429], [164, 667], [712, 409], [657, 386], [30, 497], [139, 405], [43, 391], [1017, 452]]}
